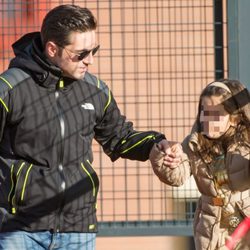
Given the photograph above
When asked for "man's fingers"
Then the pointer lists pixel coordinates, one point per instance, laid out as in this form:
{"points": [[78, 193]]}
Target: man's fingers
{"points": [[171, 165], [163, 146], [177, 148], [169, 159], [172, 153]]}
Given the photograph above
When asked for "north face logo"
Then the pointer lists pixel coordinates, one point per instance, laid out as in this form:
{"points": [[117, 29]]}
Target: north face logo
{"points": [[88, 106]]}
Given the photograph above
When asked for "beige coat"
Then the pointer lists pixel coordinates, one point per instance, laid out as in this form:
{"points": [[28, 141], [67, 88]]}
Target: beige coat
{"points": [[207, 221]]}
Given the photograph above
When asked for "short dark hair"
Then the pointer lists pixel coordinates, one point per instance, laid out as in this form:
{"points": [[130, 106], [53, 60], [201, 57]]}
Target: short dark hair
{"points": [[62, 20]]}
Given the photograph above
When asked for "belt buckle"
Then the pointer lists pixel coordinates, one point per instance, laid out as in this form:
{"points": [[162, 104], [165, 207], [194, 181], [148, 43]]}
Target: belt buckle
{"points": [[217, 201], [234, 221]]}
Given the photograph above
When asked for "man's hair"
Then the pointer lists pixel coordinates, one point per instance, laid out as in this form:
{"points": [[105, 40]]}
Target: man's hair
{"points": [[64, 19]]}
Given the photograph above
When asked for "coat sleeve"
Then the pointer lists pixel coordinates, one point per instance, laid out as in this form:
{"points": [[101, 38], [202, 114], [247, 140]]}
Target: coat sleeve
{"points": [[119, 139], [238, 165], [171, 176]]}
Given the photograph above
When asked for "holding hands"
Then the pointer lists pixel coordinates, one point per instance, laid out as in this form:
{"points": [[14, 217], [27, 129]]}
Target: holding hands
{"points": [[167, 153], [165, 157]]}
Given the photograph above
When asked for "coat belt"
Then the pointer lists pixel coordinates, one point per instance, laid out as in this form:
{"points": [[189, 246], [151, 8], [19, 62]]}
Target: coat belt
{"points": [[219, 201]]}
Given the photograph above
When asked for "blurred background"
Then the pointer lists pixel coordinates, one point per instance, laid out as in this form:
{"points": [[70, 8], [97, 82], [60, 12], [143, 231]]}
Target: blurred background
{"points": [[156, 56]]}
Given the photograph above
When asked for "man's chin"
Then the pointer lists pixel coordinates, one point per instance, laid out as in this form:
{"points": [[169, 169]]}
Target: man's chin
{"points": [[81, 75], [76, 76]]}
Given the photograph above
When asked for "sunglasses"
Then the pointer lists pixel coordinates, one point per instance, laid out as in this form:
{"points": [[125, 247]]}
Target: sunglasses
{"points": [[84, 53]]}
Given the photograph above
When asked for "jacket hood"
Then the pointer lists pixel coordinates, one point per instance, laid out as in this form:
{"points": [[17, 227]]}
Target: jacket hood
{"points": [[30, 58]]}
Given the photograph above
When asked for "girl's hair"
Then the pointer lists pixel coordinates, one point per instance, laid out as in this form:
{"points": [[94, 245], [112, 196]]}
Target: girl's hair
{"points": [[236, 101], [64, 19]]}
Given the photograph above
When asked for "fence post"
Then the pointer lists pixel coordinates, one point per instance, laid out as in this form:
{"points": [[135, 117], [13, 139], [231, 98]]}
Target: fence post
{"points": [[239, 40], [218, 39]]}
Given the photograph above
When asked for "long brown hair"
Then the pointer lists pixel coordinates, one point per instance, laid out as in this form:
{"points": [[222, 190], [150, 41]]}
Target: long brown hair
{"points": [[236, 101]]}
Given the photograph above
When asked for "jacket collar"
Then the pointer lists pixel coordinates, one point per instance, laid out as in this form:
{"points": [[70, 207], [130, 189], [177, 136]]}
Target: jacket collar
{"points": [[30, 58]]}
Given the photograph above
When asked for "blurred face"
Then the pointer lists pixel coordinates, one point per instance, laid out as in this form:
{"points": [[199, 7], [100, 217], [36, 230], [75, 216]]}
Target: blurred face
{"points": [[75, 58], [214, 119]]}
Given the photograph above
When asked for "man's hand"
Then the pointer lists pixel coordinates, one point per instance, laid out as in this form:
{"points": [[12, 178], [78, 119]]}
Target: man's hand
{"points": [[171, 152]]}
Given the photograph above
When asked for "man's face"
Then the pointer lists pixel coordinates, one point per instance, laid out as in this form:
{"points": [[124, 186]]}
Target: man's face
{"points": [[214, 119], [67, 57]]}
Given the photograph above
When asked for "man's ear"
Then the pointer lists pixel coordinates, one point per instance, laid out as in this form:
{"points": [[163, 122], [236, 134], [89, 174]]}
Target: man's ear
{"points": [[51, 49]]}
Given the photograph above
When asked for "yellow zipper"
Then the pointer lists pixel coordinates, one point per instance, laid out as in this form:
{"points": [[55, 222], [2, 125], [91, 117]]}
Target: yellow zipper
{"points": [[25, 181], [18, 176], [87, 172], [12, 181]]}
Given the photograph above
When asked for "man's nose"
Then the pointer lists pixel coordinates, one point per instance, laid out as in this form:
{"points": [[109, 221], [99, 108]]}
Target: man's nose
{"points": [[89, 59]]}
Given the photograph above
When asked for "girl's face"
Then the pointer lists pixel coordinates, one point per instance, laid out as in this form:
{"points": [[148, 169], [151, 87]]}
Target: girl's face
{"points": [[214, 119]]}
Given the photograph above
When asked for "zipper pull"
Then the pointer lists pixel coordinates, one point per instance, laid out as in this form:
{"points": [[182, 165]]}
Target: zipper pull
{"points": [[60, 84]]}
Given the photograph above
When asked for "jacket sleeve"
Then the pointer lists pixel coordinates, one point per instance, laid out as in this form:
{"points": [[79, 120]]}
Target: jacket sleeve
{"points": [[171, 176], [118, 137], [238, 165]]}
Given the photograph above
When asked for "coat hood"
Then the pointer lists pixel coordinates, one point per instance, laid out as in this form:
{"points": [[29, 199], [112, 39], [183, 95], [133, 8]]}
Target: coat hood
{"points": [[30, 58]]}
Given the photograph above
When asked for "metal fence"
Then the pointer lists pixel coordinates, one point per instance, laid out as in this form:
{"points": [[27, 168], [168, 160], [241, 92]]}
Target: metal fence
{"points": [[156, 56]]}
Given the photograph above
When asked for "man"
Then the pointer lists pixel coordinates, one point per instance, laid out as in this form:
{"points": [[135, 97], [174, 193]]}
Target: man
{"points": [[51, 109]]}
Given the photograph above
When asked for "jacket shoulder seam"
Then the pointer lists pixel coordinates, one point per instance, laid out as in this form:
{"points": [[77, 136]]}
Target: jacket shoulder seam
{"points": [[93, 80], [8, 80], [11, 78]]}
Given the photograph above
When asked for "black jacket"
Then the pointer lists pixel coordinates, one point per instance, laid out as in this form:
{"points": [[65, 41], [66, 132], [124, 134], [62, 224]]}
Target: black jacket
{"points": [[47, 181]]}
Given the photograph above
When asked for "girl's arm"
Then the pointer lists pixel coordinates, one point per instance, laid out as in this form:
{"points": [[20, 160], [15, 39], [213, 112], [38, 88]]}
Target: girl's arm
{"points": [[171, 173]]}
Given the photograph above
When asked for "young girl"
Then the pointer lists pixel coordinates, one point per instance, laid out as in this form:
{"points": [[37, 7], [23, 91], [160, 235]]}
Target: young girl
{"points": [[217, 154]]}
